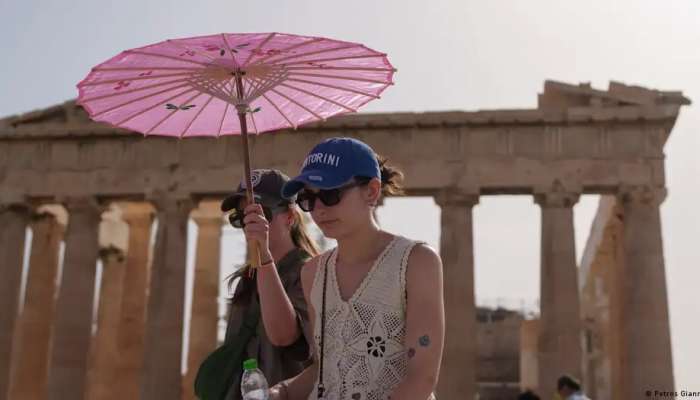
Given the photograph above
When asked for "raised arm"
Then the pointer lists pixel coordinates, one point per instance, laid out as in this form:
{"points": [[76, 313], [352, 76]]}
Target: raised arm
{"points": [[276, 309], [425, 325], [278, 313]]}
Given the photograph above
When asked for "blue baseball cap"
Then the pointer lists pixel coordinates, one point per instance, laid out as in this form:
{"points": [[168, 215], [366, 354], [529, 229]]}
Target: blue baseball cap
{"points": [[332, 163]]}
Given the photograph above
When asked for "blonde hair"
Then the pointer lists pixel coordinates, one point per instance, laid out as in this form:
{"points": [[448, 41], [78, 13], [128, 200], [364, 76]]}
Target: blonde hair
{"points": [[299, 234]]}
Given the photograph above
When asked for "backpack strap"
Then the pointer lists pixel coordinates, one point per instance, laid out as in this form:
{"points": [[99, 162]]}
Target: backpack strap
{"points": [[219, 370]]}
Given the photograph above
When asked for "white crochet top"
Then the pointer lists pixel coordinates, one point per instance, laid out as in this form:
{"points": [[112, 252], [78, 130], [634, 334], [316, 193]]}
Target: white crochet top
{"points": [[364, 353]]}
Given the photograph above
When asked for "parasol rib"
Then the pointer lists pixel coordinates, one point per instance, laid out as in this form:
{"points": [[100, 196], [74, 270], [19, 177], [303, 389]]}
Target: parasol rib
{"points": [[145, 53], [138, 78], [331, 59], [228, 47], [223, 117], [145, 110], [200, 111], [257, 49], [171, 113], [317, 96], [298, 104], [296, 46], [138, 99], [374, 96], [120, 93], [346, 78], [293, 125], [317, 68], [311, 53]]}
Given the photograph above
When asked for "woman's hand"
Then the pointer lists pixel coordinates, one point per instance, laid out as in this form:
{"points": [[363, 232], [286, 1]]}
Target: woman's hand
{"points": [[277, 393], [257, 228]]}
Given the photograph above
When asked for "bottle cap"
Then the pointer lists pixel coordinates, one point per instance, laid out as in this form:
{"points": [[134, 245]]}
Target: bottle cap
{"points": [[250, 364]]}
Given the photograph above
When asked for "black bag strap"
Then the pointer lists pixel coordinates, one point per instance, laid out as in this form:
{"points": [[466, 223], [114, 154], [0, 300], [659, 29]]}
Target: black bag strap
{"points": [[249, 326], [237, 346]]}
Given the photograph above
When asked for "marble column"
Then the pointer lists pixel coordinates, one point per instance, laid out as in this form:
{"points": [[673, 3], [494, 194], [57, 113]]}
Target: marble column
{"points": [[30, 358], [529, 336], [73, 314], [646, 345], [458, 368], [14, 218], [131, 331], [162, 378], [559, 342], [205, 306], [104, 353]]}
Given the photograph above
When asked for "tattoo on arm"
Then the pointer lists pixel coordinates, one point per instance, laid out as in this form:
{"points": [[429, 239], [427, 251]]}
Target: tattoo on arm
{"points": [[424, 341]]}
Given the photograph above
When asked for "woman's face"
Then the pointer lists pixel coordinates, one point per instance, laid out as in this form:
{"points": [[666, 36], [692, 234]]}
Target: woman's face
{"points": [[352, 212], [280, 226]]}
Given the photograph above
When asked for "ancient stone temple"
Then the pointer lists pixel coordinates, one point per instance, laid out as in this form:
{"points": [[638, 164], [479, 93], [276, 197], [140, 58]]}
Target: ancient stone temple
{"points": [[89, 192]]}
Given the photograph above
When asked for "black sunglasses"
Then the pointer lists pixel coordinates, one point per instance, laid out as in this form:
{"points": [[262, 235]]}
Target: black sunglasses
{"points": [[306, 199], [235, 218]]}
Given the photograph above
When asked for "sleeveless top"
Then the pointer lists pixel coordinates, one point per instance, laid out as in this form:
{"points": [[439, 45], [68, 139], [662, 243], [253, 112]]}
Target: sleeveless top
{"points": [[364, 353]]}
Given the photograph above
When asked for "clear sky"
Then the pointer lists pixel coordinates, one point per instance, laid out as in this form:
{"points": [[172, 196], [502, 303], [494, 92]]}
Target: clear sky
{"points": [[451, 55]]}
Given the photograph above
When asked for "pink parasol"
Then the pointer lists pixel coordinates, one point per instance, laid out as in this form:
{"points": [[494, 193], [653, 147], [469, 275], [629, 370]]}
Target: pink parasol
{"points": [[226, 84]]}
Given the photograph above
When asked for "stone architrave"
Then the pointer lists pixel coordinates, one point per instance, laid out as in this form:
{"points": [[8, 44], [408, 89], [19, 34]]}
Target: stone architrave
{"points": [[30, 358], [131, 331], [647, 362], [458, 369], [205, 306], [559, 342], [104, 352], [14, 218], [162, 378], [74, 308]]}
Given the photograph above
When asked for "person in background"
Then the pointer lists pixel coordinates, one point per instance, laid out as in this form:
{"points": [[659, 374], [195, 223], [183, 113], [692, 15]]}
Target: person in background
{"points": [[569, 388], [528, 395], [274, 291]]}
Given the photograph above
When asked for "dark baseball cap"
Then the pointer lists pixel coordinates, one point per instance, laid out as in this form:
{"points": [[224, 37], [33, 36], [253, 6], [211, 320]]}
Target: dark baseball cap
{"points": [[267, 188]]}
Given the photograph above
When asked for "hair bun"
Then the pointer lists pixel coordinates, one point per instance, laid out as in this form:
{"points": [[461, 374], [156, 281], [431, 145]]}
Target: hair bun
{"points": [[390, 177]]}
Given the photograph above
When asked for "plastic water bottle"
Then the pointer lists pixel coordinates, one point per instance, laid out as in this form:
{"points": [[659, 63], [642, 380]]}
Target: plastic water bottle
{"points": [[253, 384]]}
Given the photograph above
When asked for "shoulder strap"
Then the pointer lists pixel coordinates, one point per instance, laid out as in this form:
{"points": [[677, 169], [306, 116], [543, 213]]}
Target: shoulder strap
{"points": [[219, 370], [321, 388], [249, 325]]}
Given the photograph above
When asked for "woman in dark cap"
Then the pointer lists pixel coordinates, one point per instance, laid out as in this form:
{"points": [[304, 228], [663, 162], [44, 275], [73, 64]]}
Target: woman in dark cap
{"points": [[271, 299]]}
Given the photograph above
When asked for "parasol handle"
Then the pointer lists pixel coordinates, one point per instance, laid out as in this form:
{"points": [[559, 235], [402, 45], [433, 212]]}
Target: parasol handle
{"points": [[253, 246], [242, 109]]}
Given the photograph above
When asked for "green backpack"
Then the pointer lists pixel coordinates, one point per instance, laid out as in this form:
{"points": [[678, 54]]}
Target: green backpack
{"points": [[219, 370]]}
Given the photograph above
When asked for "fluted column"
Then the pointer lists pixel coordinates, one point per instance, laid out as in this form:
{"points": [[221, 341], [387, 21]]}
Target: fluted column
{"points": [[205, 307], [14, 218], [73, 316], [163, 347], [104, 352], [31, 355], [559, 343], [458, 368], [647, 363], [131, 331], [529, 336]]}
